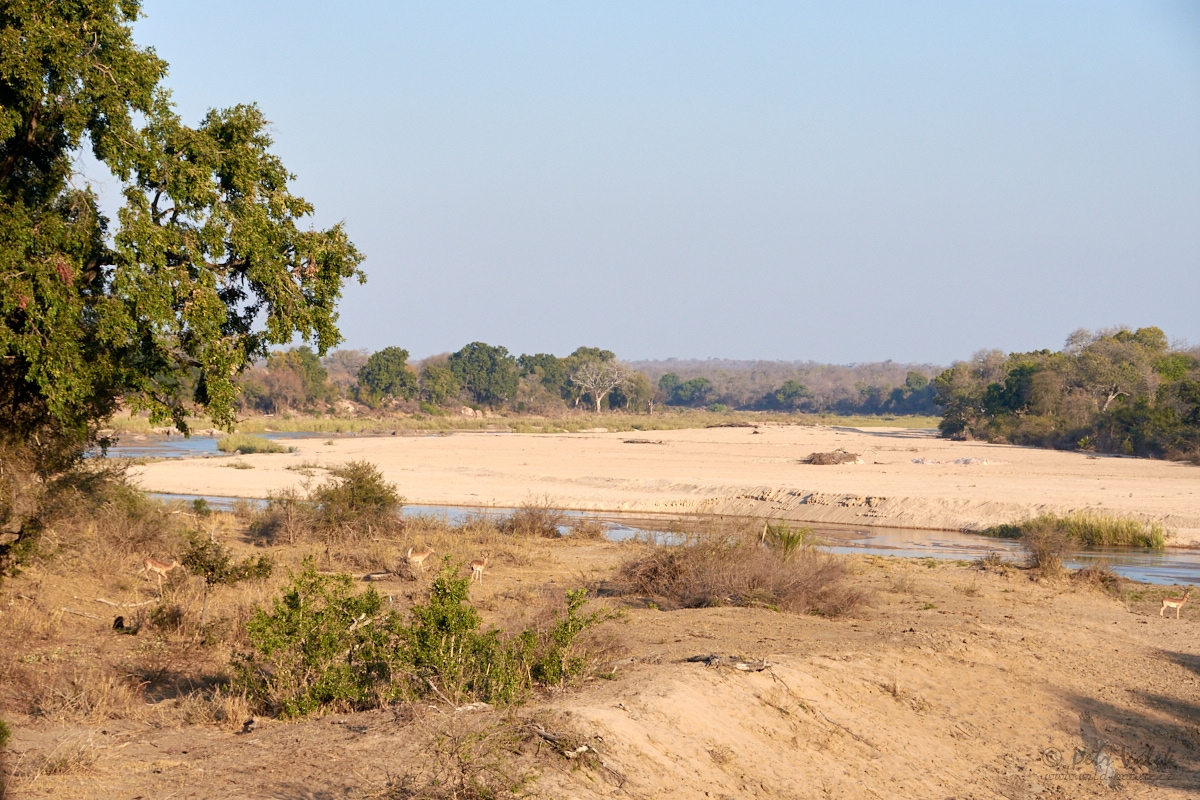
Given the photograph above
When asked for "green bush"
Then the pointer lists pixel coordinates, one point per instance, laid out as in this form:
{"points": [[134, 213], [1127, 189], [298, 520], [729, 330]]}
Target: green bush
{"points": [[246, 443], [214, 562], [320, 645], [355, 500], [5, 735], [323, 647]]}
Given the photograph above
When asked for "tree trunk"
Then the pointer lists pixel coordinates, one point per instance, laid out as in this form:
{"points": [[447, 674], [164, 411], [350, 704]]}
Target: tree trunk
{"points": [[204, 611]]}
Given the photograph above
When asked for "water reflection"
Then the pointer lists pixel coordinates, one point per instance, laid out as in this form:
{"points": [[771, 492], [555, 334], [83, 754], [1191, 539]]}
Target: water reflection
{"points": [[143, 446]]}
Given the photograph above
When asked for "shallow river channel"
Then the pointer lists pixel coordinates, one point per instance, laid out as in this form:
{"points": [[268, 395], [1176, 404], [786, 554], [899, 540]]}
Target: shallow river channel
{"points": [[1171, 566]]}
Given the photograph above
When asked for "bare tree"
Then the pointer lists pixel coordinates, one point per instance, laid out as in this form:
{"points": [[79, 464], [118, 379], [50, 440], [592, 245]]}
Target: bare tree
{"points": [[598, 378]]}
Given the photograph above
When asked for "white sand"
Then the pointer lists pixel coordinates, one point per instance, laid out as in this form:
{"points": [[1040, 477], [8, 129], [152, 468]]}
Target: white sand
{"points": [[733, 470]]}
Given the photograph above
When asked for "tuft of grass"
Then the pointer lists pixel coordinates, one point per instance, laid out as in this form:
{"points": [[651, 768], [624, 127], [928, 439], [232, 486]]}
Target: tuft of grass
{"points": [[239, 464], [1099, 576], [245, 443], [903, 583], [788, 541], [1089, 528]]}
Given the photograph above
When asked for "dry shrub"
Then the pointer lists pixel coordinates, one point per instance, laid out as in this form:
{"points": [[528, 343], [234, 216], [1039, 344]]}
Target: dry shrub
{"points": [[834, 458], [717, 573], [471, 757], [903, 583], [587, 528], [1046, 546], [354, 503], [535, 518], [90, 694], [74, 755], [1100, 577], [287, 517]]}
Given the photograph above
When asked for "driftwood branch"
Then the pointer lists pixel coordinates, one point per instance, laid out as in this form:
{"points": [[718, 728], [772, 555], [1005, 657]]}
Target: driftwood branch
{"points": [[66, 610], [122, 605], [736, 662]]}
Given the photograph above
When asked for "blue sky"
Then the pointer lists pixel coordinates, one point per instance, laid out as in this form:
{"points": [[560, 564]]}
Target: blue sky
{"points": [[839, 182]]}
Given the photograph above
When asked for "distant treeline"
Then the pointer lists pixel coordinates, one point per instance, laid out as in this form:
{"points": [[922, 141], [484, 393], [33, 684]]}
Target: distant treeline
{"points": [[482, 375], [1115, 391]]}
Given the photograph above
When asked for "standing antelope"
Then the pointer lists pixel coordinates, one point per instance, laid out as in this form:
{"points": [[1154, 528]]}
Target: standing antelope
{"points": [[1175, 603], [416, 558], [477, 568], [159, 567]]}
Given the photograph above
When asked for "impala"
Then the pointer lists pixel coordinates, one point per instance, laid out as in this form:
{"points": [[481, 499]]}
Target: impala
{"points": [[416, 558], [477, 568], [1175, 603], [159, 567]]}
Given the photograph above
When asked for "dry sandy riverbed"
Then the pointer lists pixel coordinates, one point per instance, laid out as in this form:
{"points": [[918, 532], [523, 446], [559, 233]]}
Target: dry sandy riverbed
{"points": [[733, 471]]}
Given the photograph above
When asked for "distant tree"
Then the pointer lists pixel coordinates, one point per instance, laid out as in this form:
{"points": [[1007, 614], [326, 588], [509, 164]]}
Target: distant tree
{"points": [[915, 381], [574, 392], [667, 384], [283, 389], [583, 354], [549, 369], [387, 375], [695, 392], [598, 378], [438, 383], [487, 373], [791, 395], [1119, 364], [343, 367], [307, 364], [637, 393]]}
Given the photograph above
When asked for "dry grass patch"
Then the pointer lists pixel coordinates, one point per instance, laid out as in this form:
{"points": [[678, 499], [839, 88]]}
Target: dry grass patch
{"points": [[724, 572]]}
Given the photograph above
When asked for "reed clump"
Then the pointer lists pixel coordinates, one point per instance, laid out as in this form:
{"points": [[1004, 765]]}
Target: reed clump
{"points": [[1089, 528], [248, 444]]}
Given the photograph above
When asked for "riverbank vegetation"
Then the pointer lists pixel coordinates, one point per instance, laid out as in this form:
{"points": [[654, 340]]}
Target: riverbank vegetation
{"points": [[1113, 391], [1088, 528], [490, 380]]}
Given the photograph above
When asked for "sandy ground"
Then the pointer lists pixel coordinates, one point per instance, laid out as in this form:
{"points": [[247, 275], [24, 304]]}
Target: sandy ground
{"points": [[956, 683], [734, 471]]}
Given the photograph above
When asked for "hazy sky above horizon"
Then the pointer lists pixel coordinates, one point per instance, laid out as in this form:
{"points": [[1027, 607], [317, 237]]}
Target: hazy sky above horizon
{"points": [[840, 182]]}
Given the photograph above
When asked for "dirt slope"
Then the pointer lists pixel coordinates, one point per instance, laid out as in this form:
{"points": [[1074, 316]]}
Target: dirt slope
{"points": [[957, 683]]}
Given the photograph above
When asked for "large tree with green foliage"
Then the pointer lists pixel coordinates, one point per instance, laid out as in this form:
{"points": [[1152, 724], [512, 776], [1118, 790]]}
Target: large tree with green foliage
{"points": [[487, 373], [387, 374], [207, 266]]}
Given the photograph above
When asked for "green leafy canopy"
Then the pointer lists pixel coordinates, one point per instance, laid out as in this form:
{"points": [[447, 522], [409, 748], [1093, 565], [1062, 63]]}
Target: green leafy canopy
{"points": [[209, 263]]}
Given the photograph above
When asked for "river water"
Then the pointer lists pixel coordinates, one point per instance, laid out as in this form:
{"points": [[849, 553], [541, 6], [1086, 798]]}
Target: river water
{"points": [[1171, 566]]}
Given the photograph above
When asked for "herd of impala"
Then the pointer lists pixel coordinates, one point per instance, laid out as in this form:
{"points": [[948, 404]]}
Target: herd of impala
{"points": [[416, 560]]}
